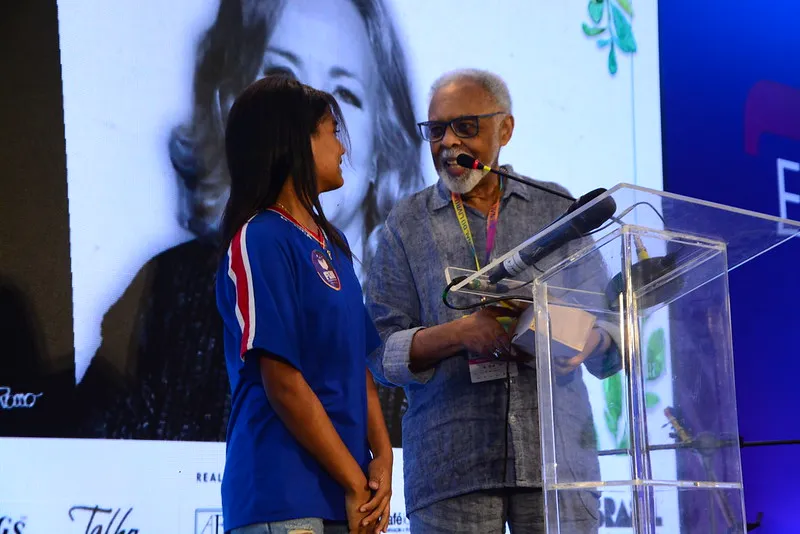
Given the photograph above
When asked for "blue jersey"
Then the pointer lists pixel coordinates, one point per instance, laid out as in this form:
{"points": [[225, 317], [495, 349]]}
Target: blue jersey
{"points": [[279, 291]]}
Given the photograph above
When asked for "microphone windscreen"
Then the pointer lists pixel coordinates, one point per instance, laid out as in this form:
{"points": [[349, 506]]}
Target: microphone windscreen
{"points": [[595, 216], [585, 199], [465, 160]]}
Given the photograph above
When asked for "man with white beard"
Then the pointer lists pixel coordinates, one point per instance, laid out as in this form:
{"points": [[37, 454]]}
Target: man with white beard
{"points": [[471, 450]]}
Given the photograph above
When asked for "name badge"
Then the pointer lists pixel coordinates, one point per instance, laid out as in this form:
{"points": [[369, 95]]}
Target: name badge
{"points": [[486, 369]]}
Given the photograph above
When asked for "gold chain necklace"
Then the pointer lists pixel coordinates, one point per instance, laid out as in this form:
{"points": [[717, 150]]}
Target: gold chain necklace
{"points": [[287, 216]]}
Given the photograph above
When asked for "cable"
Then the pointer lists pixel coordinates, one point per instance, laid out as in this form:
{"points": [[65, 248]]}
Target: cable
{"points": [[480, 304], [486, 302], [743, 443], [508, 424], [623, 214]]}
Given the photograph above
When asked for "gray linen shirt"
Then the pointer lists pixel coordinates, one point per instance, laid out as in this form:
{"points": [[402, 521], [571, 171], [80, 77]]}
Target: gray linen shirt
{"points": [[453, 430]]}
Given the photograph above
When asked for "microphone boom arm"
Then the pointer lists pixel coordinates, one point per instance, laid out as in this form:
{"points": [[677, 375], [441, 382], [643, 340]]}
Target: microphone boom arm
{"points": [[533, 184], [469, 162]]}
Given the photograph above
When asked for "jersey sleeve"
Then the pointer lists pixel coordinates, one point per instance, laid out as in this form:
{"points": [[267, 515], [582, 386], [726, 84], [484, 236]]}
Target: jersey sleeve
{"points": [[266, 302]]}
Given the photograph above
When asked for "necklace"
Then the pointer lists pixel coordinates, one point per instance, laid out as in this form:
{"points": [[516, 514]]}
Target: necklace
{"points": [[491, 224], [318, 238]]}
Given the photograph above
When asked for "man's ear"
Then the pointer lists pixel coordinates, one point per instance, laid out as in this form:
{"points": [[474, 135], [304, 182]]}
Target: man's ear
{"points": [[506, 129]]}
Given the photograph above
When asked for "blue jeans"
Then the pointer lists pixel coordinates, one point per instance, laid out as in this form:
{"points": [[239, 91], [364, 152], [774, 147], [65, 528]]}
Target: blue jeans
{"points": [[483, 512], [308, 525], [488, 512]]}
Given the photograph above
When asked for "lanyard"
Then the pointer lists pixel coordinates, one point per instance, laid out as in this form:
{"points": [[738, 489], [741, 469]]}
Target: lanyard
{"points": [[491, 224]]}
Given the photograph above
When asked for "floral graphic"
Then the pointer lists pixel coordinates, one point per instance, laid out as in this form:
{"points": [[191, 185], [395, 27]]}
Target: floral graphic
{"points": [[611, 25], [655, 362]]}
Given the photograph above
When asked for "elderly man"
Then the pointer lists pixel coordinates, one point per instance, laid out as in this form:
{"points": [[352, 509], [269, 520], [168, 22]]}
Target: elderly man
{"points": [[471, 433]]}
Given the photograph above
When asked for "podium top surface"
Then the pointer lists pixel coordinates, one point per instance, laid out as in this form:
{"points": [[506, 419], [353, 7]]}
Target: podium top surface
{"points": [[745, 234]]}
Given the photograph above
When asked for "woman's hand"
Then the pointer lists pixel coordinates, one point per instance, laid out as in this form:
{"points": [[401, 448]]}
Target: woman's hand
{"points": [[354, 499], [380, 482]]}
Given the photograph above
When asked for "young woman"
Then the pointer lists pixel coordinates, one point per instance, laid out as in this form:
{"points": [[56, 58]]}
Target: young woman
{"points": [[165, 327], [306, 428]]}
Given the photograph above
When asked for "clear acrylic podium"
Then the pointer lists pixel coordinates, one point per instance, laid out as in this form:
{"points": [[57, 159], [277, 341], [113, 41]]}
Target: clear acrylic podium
{"points": [[642, 439]]}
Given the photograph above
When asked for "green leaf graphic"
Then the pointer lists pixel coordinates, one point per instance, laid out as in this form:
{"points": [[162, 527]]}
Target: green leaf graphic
{"points": [[612, 60], [618, 28], [624, 34], [612, 388], [651, 400], [596, 10], [589, 31], [656, 354]]}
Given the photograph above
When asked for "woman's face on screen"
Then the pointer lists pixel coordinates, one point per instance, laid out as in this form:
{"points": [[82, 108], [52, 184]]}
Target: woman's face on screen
{"points": [[324, 44]]}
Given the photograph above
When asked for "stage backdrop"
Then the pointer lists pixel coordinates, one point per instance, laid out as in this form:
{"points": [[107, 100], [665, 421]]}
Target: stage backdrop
{"points": [[731, 119], [144, 101]]}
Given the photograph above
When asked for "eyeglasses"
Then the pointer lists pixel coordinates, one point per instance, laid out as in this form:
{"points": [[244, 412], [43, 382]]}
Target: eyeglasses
{"points": [[464, 127]]}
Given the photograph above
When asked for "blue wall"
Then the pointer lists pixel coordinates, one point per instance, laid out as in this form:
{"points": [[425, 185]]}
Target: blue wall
{"points": [[713, 56]]}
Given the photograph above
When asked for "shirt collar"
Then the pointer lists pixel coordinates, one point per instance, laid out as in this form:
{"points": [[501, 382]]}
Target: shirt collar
{"points": [[442, 196]]}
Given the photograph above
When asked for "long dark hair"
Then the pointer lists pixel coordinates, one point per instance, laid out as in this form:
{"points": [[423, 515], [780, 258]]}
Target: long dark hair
{"points": [[267, 140]]}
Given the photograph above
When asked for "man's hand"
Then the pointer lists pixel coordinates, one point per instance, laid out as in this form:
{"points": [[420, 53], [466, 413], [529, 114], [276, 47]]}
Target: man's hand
{"points": [[598, 342], [380, 482], [482, 333]]}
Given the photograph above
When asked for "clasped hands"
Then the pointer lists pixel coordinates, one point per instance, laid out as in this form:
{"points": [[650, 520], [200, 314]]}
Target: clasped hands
{"points": [[368, 506]]}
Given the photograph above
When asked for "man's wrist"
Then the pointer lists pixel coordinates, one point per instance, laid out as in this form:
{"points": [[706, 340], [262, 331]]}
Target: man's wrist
{"points": [[602, 345], [455, 330], [605, 341]]}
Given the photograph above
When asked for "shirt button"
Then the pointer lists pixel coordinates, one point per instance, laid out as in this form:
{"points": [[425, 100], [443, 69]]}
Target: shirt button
{"points": [[512, 419]]}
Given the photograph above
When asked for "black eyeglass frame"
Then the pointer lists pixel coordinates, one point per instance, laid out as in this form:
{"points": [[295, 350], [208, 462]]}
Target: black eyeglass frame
{"points": [[451, 124]]}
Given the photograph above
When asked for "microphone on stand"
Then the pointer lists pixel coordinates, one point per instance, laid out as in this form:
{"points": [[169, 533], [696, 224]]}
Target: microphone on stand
{"points": [[526, 257], [648, 269], [576, 228], [645, 271]]}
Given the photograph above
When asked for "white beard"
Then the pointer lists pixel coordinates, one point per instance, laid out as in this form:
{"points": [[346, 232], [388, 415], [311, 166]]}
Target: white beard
{"points": [[462, 184]]}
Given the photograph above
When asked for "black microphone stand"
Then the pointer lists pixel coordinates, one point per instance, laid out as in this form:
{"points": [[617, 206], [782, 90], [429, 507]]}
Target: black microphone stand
{"points": [[704, 445], [530, 183], [768, 443]]}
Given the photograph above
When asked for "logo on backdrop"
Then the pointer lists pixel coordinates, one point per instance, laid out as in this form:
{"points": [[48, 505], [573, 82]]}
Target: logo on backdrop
{"points": [[616, 513], [10, 400], [774, 108], [97, 520], [398, 523], [208, 521], [204, 478], [12, 525]]}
